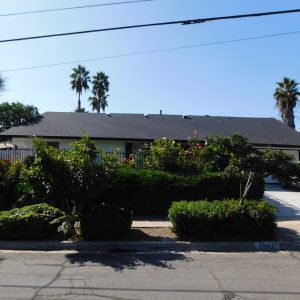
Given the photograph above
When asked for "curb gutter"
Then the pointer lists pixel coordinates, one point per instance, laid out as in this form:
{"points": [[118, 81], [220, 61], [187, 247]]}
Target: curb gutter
{"points": [[118, 246]]}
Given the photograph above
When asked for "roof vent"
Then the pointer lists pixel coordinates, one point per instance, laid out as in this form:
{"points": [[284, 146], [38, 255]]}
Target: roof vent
{"points": [[108, 114], [146, 116]]}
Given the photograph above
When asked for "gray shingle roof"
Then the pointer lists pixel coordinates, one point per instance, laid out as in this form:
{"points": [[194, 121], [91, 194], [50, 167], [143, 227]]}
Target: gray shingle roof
{"points": [[260, 131]]}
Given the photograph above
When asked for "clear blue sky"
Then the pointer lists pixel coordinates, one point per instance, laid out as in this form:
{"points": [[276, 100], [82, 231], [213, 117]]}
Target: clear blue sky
{"points": [[235, 79]]}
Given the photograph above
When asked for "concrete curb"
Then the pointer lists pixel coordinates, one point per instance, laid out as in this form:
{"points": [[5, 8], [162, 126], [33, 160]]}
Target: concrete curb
{"points": [[143, 246]]}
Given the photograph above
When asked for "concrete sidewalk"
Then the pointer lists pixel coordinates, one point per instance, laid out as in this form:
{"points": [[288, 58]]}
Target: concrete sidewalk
{"points": [[151, 223]]}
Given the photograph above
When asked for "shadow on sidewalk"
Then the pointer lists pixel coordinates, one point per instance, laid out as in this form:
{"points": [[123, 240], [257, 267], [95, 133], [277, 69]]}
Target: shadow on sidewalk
{"points": [[288, 235], [285, 211]]}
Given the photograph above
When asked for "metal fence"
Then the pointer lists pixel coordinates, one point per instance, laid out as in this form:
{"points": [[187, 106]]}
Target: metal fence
{"points": [[16, 154], [122, 158]]}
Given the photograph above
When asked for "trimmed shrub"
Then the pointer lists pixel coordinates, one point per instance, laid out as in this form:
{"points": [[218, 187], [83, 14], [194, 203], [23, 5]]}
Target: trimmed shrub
{"points": [[105, 222], [38, 221], [149, 192], [203, 220]]}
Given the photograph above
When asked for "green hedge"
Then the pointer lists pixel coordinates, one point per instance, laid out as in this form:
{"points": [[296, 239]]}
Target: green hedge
{"points": [[105, 222], [36, 222], [203, 220], [9, 178], [148, 192]]}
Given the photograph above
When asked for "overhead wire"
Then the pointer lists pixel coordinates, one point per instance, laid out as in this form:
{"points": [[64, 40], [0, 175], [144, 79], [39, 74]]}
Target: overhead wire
{"points": [[154, 51], [72, 8], [182, 22]]}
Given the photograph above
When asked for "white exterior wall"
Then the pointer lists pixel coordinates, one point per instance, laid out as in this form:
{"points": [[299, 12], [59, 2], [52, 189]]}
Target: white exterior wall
{"points": [[111, 145], [22, 142], [65, 144]]}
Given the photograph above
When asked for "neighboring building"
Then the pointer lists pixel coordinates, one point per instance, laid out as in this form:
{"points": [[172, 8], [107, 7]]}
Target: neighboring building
{"points": [[129, 132]]}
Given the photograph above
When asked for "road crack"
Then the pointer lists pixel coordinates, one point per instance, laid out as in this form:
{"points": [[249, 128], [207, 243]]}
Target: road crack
{"points": [[227, 295], [56, 277]]}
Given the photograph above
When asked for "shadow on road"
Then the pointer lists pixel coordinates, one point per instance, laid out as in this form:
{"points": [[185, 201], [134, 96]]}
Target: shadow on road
{"points": [[118, 260]]}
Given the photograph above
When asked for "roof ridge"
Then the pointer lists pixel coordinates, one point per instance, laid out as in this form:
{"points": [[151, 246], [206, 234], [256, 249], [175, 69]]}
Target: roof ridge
{"points": [[150, 114]]}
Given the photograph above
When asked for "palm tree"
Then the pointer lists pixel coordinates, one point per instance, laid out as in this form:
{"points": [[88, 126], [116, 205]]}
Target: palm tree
{"points": [[94, 101], [100, 88], [80, 81], [286, 96]]}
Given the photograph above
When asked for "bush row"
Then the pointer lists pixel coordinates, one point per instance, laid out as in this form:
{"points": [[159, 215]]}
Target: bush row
{"points": [[149, 192], [39, 221], [203, 220], [42, 221]]}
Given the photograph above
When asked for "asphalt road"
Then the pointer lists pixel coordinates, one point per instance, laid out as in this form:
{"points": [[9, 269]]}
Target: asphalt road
{"points": [[69, 275]]}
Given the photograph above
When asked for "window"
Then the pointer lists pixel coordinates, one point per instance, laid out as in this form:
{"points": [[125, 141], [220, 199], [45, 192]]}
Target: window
{"points": [[53, 144], [128, 149]]}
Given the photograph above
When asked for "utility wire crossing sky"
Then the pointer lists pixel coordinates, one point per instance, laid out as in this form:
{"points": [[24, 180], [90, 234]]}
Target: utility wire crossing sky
{"points": [[71, 8], [228, 66], [251, 38], [182, 22]]}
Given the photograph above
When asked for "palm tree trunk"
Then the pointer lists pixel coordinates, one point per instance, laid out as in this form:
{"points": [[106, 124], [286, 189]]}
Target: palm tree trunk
{"points": [[98, 107], [291, 118], [79, 103]]}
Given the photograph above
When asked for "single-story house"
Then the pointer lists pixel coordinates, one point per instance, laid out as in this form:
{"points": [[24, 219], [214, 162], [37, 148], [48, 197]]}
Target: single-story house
{"points": [[129, 132]]}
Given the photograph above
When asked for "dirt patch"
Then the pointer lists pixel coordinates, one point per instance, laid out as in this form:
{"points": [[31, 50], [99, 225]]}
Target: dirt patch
{"points": [[151, 234]]}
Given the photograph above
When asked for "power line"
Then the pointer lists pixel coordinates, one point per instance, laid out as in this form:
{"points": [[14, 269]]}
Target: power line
{"points": [[71, 8], [154, 51], [183, 22]]}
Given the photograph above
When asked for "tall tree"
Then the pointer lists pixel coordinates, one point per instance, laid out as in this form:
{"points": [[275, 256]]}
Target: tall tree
{"points": [[100, 88], [286, 97], [15, 114], [80, 82]]}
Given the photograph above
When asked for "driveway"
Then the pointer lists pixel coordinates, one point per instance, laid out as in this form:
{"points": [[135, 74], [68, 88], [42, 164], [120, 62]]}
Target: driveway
{"points": [[286, 201]]}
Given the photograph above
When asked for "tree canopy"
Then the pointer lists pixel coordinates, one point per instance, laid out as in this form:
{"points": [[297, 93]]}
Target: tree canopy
{"points": [[100, 88], [14, 114], [286, 97], [80, 82]]}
